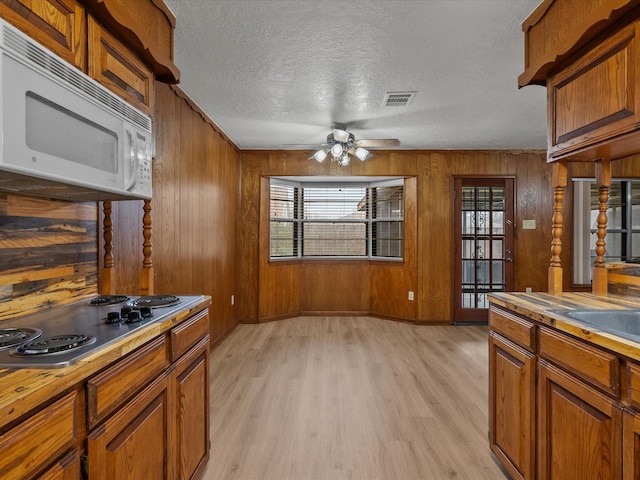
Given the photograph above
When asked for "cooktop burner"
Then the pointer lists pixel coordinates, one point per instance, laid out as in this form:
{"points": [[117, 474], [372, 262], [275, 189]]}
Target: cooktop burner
{"points": [[154, 301], [108, 299], [69, 333], [10, 337], [53, 345]]}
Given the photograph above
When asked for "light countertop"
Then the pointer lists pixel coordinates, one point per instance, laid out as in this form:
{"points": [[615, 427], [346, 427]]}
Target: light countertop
{"points": [[547, 310]]}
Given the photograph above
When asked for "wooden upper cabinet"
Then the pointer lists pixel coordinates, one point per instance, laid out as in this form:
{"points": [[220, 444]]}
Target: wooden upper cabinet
{"points": [[590, 66], [145, 27], [116, 67], [550, 39], [594, 102], [58, 24]]}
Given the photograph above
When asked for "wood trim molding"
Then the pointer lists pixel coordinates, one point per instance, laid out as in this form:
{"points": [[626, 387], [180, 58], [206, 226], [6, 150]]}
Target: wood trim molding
{"points": [[182, 95], [542, 56]]}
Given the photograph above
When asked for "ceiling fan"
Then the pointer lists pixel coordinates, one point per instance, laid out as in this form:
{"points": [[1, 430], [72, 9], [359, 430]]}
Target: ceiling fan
{"points": [[341, 144]]}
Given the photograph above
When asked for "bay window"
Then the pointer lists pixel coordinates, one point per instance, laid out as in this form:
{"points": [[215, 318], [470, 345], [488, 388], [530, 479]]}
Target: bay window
{"points": [[336, 219]]}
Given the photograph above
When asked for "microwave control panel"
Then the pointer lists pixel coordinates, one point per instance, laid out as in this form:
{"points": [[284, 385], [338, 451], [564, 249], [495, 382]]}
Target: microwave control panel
{"points": [[142, 183]]}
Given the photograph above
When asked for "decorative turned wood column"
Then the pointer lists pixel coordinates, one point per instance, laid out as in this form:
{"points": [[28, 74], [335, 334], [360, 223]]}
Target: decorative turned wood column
{"points": [[599, 272], [559, 182], [146, 274], [107, 277]]}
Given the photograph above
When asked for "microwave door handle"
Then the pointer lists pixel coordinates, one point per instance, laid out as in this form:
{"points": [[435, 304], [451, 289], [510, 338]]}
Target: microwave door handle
{"points": [[131, 163]]}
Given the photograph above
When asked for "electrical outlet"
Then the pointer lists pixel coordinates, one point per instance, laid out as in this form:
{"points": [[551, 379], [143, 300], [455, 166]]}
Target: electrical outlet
{"points": [[233, 299], [410, 295]]}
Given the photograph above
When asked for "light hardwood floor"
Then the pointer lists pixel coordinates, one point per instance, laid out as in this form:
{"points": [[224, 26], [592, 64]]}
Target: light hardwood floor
{"points": [[350, 398]]}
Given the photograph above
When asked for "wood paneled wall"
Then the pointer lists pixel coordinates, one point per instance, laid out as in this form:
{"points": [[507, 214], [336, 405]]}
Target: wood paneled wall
{"points": [[194, 212], [48, 253], [271, 290]]}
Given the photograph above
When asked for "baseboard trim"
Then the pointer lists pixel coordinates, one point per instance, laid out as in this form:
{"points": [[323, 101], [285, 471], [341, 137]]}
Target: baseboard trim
{"points": [[214, 343]]}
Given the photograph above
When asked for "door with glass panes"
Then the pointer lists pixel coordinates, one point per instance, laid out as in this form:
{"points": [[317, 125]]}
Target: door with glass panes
{"points": [[484, 244]]}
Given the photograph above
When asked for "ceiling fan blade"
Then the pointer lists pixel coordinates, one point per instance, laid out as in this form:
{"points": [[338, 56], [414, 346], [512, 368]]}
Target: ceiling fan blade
{"points": [[378, 143], [314, 145]]}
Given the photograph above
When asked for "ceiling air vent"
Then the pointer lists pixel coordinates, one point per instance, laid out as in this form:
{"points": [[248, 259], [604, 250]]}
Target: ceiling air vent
{"points": [[398, 99]]}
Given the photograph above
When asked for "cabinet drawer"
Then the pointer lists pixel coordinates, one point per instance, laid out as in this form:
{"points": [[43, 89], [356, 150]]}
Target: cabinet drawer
{"points": [[35, 442], [514, 328], [188, 333], [114, 66], [111, 388], [633, 384], [599, 368]]}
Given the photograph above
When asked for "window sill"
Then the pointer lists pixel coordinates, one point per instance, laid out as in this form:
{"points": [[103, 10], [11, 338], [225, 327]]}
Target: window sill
{"points": [[340, 260]]}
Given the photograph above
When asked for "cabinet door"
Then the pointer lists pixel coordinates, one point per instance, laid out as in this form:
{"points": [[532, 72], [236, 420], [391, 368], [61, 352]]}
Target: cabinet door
{"points": [[59, 25], [118, 69], [579, 429], [132, 444], [512, 406], [192, 411], [596, 98], [67, 468]]}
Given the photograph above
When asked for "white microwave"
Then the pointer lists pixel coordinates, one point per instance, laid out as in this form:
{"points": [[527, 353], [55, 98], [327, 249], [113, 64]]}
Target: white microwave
{"points": [[62, 134]]}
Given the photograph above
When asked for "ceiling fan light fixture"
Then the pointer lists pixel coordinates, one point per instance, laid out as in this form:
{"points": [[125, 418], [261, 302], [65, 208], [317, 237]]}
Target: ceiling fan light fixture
{"points": [[341, 135], [361, 153], [336, 150], [342, 144], [320, 155]]}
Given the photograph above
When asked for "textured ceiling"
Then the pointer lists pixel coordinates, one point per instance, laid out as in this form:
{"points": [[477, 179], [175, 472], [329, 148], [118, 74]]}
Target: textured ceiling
{"points": [[275, 72]]}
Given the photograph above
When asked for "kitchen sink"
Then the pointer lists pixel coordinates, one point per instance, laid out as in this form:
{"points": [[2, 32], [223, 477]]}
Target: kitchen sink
{"points": [[624, 323]]}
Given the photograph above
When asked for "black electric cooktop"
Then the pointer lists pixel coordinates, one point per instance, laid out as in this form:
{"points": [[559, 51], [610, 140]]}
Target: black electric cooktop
{"points": [[60, 336]]}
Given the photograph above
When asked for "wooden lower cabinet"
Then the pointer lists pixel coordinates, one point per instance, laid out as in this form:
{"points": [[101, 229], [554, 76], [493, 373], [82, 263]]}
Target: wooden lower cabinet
{"points": [[33, 445], [191, 378], [579, 429], [67, 468], [631, 445], [110, 389], [157, 427], [512, 399], [163, 432], [133, 443], [556, 404]]}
